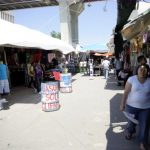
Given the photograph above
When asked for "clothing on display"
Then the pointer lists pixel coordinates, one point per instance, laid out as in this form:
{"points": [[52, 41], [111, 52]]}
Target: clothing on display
{"points": [[4, 85]]}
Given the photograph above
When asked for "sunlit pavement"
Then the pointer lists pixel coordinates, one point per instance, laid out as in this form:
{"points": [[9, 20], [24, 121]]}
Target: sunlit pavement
{"points": [[89, 119]]}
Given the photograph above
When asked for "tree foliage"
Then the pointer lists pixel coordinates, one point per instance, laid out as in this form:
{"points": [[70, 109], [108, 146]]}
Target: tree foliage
{"points": [[56, 34]]}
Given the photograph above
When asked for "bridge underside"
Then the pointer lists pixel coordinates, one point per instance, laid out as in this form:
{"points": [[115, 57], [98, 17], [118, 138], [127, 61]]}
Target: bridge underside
{"points": [[22, 4]]}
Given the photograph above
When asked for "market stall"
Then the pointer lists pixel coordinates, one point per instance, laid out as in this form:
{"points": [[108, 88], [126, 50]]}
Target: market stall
{"points": [[15, 35], [137, 32], [19, 45]]}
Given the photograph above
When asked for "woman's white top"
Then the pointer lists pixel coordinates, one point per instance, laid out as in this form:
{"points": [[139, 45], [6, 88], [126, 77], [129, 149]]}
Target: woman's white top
{"points": [[139, 96]]}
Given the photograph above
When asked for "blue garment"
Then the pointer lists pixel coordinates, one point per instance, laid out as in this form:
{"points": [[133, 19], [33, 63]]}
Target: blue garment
{"points": [[142, 115], [3, 72]]}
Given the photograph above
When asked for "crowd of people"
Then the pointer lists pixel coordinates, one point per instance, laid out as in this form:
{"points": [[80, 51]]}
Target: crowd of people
{"points": [[36, 73], [135, 100]]}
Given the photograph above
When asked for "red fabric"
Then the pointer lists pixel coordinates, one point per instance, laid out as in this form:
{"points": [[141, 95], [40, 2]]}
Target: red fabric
{"points": [[37, 56], [56, 75]]}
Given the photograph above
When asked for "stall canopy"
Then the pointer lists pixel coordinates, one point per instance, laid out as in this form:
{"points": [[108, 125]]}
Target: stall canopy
{"points": [[125, 9], [136, 26], [16, 35], [104, 54]]}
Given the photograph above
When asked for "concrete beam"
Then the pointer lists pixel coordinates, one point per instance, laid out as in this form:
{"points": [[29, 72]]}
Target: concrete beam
{"points": [[75, 10], [69, 12], [65, 21]]}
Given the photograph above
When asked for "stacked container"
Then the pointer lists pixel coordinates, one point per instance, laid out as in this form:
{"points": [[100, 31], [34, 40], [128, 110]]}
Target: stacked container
{"points": [[50, 96], [66, 83]]}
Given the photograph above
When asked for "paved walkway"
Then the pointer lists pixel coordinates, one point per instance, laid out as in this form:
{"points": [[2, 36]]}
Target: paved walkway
{"points": [[89, 119]]}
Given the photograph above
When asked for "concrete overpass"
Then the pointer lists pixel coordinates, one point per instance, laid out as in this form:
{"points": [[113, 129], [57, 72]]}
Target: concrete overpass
{"points": [[22, 4]]}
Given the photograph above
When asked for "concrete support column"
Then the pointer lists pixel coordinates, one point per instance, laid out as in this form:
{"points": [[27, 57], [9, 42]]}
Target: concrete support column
{"points": [[65, 21], [75, 10], [69, 12]]}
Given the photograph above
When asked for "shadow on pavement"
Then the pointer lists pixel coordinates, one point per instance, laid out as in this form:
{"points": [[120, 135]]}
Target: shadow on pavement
{"points": [[22, 94], [111, 83], [73, 80], [115, 133]]}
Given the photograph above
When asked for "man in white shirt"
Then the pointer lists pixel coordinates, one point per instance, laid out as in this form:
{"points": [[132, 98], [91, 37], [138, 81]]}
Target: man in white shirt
{"points": [[105, 65]]}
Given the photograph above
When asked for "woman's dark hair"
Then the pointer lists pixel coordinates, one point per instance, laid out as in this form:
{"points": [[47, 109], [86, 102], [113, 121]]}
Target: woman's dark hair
{"points": [[145, 65], [140, 58]]}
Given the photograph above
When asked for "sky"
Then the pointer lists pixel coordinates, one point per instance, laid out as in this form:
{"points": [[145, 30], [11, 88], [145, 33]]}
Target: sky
{"points": [[95, 22]]}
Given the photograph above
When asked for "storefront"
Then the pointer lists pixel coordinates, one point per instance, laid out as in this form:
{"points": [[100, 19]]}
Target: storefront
{"points": [[137, 34], [18, 58], [19, 45]]}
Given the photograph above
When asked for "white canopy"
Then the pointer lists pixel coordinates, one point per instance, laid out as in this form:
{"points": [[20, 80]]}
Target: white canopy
{"points": [[21, 36]]}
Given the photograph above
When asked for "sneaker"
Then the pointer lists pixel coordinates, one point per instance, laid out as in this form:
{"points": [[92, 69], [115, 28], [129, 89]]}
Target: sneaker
{"points": [[1, 107], [35, 90], [4, 100], [143, 147]]}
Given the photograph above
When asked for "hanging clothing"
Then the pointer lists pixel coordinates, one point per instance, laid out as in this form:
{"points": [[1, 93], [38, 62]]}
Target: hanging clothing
{"points": [[3, 72], [37, 56], [51, 56], [4, 84]]}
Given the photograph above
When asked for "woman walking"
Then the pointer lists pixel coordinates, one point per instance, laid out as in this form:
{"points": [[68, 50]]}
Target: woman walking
{"points": [[136, 101], [38, 75]]}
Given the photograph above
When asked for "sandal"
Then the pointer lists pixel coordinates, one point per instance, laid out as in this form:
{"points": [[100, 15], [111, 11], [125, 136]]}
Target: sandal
{"points": [[128, 136], [143, 147]]}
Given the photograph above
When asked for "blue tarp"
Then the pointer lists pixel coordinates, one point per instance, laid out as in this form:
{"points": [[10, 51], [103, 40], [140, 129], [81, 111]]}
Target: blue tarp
{"points": [[102, 48]]}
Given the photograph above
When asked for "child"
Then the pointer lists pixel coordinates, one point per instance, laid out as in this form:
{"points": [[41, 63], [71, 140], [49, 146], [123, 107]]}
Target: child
{"points": [[122, 76]]}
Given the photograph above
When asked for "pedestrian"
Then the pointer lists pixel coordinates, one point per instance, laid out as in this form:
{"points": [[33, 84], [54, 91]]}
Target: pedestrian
{"points": [[38, 75], [55, 62], [122, 76], [140, 61], [106, 64], [31, 76], [136, 101], [118, 66], [4, 84]]}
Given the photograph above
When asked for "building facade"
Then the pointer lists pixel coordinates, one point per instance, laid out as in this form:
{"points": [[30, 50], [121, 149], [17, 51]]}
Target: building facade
{"points": [[7, 15]]}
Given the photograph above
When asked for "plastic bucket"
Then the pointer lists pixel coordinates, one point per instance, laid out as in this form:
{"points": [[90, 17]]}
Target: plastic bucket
{"points": [[66, 83], [50, 96]]}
